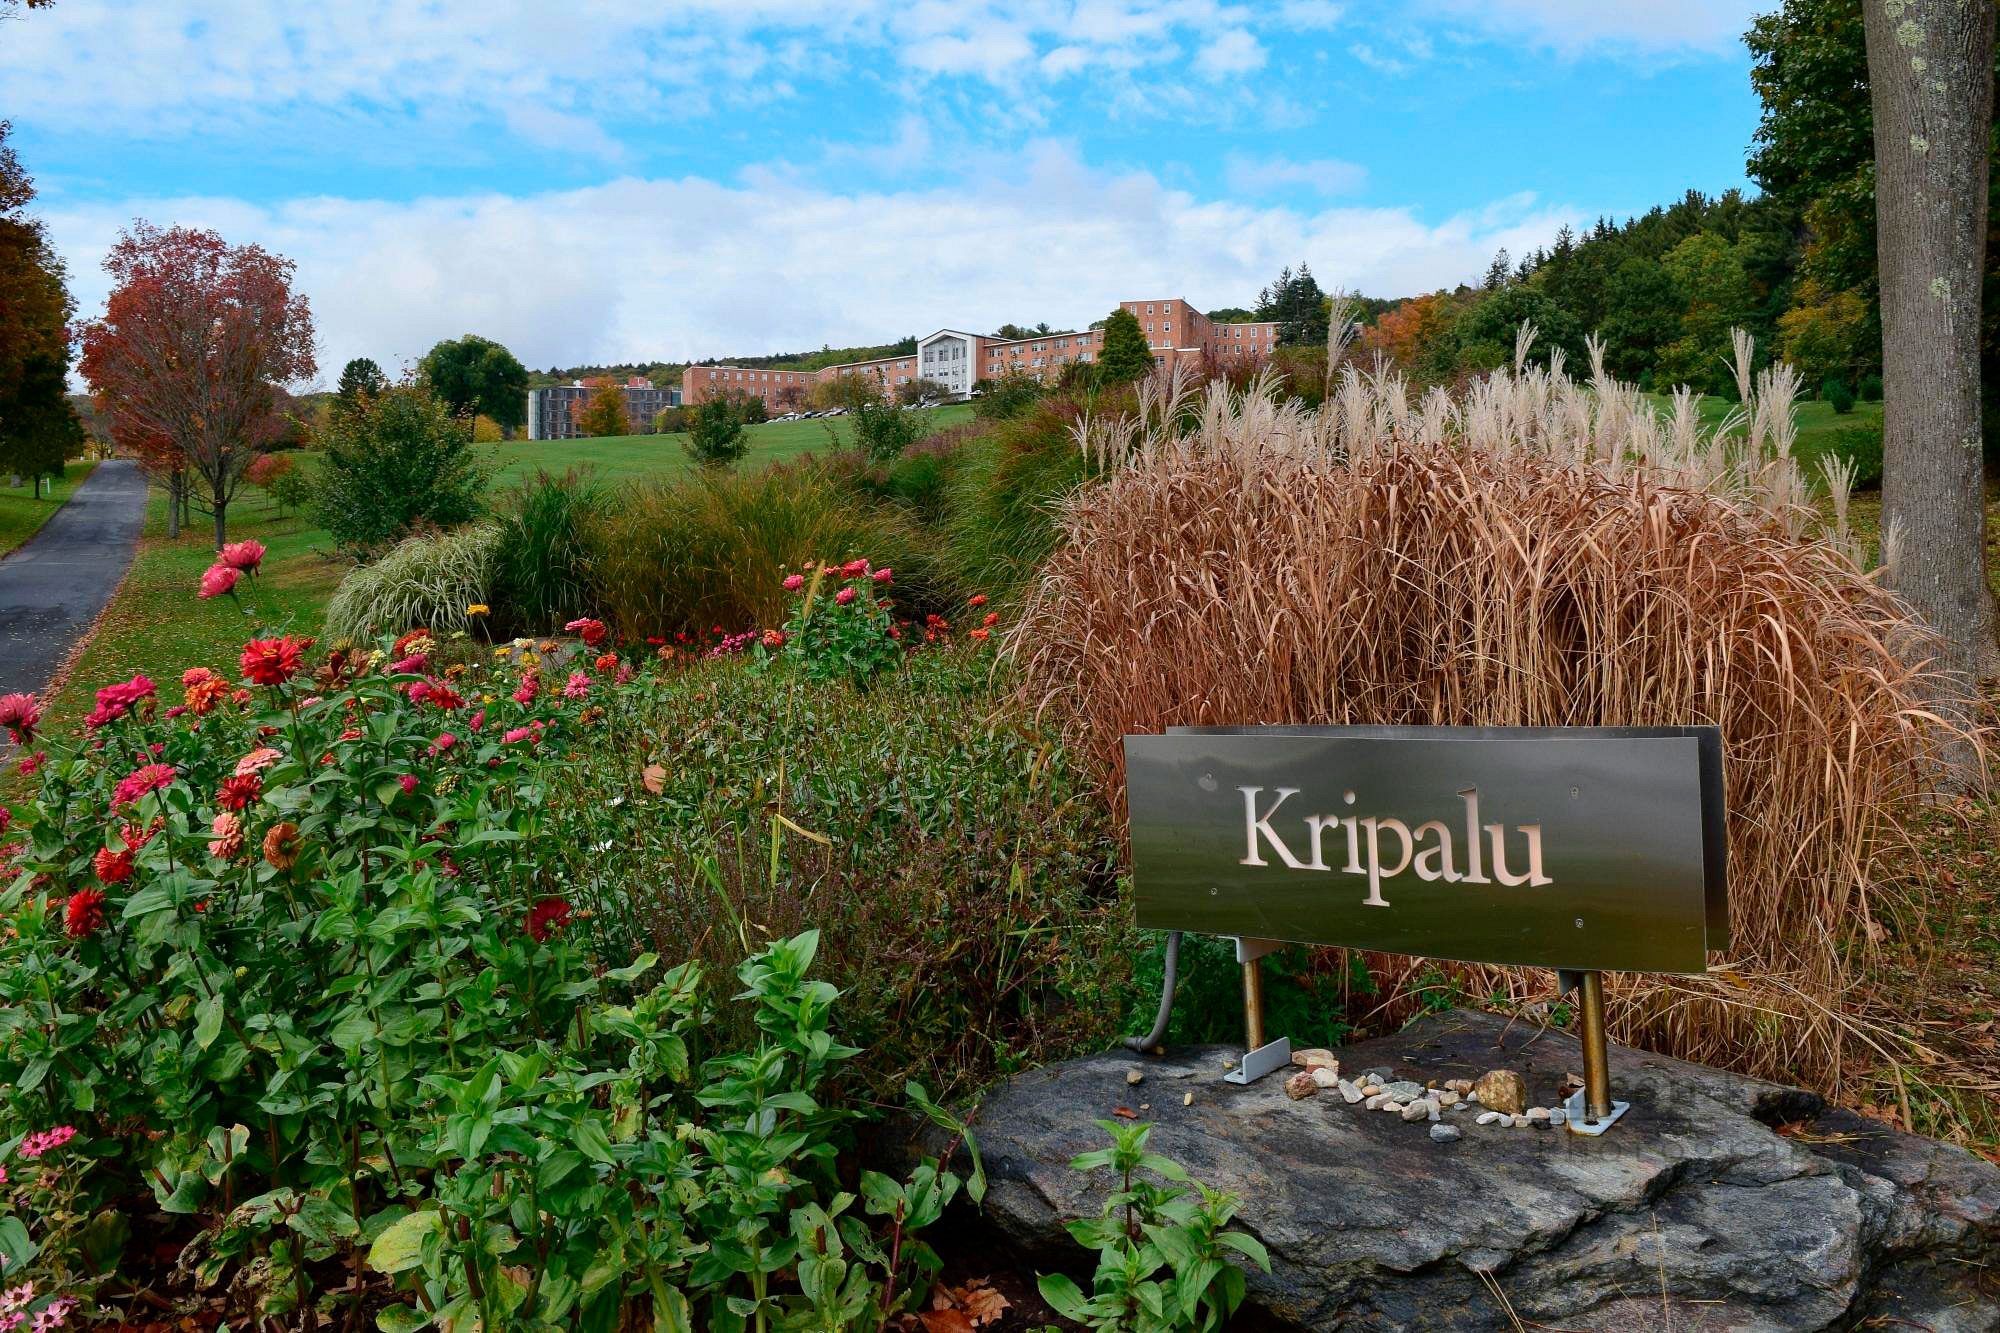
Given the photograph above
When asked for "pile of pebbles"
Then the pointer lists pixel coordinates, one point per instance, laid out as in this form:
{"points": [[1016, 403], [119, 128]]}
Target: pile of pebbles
{"points": [[1499, 1094]]}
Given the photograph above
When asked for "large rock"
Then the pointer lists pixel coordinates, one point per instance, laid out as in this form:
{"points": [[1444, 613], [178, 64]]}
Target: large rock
{"points": [[1374, 1224]]}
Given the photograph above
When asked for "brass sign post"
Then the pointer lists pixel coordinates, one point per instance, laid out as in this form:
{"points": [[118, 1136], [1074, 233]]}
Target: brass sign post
{"points": [[1581, 849]]}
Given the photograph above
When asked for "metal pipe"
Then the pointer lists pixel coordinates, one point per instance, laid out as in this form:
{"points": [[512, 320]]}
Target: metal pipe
{"points": [[1253, 1006], [1159, 1032], [1596, 1050]]}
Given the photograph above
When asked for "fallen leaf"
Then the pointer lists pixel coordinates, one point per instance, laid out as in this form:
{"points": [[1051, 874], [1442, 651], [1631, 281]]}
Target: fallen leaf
{"points": [[656, 779], [945, 1321], [1125, 1112]]}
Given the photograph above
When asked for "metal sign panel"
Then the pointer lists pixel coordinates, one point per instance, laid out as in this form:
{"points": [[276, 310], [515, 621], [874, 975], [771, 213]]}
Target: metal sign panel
{"points": [[1586, 848]]}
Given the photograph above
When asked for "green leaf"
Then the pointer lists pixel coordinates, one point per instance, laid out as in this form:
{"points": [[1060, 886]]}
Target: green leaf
{"points": [[1062, 1295], [207, 1021], [400, 1319], [591, 1140], [1245, 1243], [400, 1247]]}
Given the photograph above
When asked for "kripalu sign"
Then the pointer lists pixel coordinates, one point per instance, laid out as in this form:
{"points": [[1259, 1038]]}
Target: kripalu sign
{"points": [[1597, 848]]}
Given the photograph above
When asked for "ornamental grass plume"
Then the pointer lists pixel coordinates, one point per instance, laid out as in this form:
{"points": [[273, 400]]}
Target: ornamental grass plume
{"points": [[1535, 555]]}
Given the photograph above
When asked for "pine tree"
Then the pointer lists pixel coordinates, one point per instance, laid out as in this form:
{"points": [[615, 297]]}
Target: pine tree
{"points": [[1126, 356], [1500, 272], [361, 376]]}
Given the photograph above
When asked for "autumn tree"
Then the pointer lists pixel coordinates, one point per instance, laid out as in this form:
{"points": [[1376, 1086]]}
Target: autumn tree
{"points": [[1930, 72], [197, 340], [35, 305], [477, 375], [604, 413]]}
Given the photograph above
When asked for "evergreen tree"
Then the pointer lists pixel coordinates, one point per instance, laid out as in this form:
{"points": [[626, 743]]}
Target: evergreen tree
{"points": [[360, 376], [1500, 272], [1125, 357], [1297, 304]]}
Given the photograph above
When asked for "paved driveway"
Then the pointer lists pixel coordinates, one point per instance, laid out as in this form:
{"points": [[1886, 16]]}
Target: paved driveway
{"points": [[52, 588]]}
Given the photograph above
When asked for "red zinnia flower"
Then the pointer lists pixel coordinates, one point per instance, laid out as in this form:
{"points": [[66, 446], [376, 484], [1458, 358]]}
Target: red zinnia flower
{"points": [[408, 782], [273, 661], [884, 574], [844, 596], [238, 791], [592, 632], [793, 582], [977, 599], [218, 580], [150, 777], [244, 555], [774, 639], [83, 913], [980, 633], [32, 765], [546, 917], [113, 867], [115, 701]]}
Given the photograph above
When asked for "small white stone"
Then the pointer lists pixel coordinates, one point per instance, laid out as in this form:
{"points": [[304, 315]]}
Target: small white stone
{"points": [[1134, 1076], [1326, 1076], [1538, 1113], [1447, 1098], [1472, 1097], [1557, 1115], [1393, 1108], [1416, 1110], [1488, 1117], [1348, 1091], [1188, 1100], [1375, 1102], [1521, 1121]]}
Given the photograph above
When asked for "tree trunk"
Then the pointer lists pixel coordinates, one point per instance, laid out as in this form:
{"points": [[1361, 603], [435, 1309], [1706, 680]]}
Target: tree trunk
{"points": [[1930, 76], [221, 528], [173, 505]]}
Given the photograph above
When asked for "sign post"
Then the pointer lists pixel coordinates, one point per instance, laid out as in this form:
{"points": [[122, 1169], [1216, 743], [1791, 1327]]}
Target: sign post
{"points": [[1582, 849]]}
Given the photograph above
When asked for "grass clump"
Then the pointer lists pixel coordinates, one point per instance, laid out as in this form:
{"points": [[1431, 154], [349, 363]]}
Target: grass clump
{"points": [[429, 581], [542, 558]]}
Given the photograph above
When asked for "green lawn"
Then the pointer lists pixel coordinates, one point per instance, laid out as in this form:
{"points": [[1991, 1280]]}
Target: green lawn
{"points": [[22, 516], [618, 458], [1816, 417]]}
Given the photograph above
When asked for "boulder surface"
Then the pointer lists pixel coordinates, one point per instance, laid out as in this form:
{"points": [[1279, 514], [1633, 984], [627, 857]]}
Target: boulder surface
{"points": [[1718, 1202]]}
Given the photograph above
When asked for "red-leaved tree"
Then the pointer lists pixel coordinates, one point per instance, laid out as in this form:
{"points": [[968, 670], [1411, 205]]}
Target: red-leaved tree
{"points": [[198, 339]]}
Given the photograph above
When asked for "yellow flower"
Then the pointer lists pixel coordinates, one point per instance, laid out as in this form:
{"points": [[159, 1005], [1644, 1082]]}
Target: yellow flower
{"points": [[503, 650], [477, 609]]}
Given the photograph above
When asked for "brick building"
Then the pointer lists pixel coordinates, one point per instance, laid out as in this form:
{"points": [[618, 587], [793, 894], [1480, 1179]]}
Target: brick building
{"points": [[957, 360]]}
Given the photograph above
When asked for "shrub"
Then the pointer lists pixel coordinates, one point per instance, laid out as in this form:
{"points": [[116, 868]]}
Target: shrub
{"points": [[1838, 396], [1003, 492], [1006, 397], [393, 463], [882, 431], [715, 434], [310, 981], [424, 581], [540, 576], [701, 549], [1524, 590], [958, 870], [1871, 388], [283, 477], [670, 421], [1861, 448]]}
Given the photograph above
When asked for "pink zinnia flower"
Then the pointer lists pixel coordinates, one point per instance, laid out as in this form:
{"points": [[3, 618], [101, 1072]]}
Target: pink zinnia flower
{"points": [[854, 568], [445, 740], [227, 844], [46, 1140], [844, 596], [578, 686], [244, 555], [793, 582], [515, 735], [409, 784], [149, 778], [258, 760], [18, 714], [218, 580], [883, 575], [525, 692], [477, 720], [115, 701], [32, 765]]}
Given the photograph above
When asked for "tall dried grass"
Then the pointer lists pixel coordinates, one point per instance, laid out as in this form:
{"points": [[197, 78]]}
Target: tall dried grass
{"points": [[1539, 552]]}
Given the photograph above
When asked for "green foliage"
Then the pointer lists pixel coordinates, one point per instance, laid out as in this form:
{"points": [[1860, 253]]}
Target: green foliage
{"points": [[1838, 396], [475, 375], [393, 464], [541, 558], [883, 431], [1305, 992], [839, 629], [39, 430], [1166, 1258], [750, 410], [1007, 397], [1004, 487], [292, 486], [955, 863], [1642, 314], [1871, 388], [1859, 445], [363, 1012], [1298, 305], [1125, 357], [1715, 297], [360, 378], [707, 548], [425, 581], [670, 420], [715, 434], [1485, 333]]}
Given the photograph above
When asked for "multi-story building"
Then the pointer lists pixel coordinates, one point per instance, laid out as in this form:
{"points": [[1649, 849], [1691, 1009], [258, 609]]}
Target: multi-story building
{"points": [[957, 360], [553, 412]]}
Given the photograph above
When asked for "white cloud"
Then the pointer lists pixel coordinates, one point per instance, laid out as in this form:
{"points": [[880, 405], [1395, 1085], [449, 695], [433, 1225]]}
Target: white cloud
{"points": [[1233, 51], [1261, 176], [672, 269], [1641, 27]]}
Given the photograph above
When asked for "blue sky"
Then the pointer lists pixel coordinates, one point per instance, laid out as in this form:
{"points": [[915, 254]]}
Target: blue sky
{"points": [[632, 179]]}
